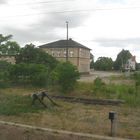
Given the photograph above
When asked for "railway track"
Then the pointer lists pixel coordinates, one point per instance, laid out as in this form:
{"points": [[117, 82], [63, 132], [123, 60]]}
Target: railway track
{"points": [[88, 101]]}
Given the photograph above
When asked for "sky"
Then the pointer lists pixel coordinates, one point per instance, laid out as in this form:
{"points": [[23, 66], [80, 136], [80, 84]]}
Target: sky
{"points": [[104, 26]]}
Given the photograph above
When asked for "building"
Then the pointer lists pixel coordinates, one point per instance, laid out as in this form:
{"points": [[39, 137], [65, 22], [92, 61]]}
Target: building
{"points": [[131, 63], [8, 58], [78, 54]]}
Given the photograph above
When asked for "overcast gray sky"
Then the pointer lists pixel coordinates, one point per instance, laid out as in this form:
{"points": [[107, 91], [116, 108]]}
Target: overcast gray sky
{"points": [[105, 26]]}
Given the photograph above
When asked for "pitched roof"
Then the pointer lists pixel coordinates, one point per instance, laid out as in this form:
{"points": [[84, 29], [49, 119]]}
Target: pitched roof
{"points": [[63, 44]]}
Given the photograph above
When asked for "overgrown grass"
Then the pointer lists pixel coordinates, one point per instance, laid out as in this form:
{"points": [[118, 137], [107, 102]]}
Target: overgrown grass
{"points": [[16, 104], [99, 89]]}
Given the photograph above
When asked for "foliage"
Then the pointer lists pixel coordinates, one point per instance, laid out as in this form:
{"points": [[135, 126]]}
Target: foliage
{"points": [[137, 66], [35, 74], [66, 75], [103, 63], [121, 59], [98, 85], [4, 83], [92, 64], [113, 91], [31, 54], [16, 104], [8, 47], [91, 61], [4, 65], [136, 77]]}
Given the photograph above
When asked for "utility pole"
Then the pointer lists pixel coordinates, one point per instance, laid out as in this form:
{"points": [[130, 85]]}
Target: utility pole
{"points": [[67, 23]]}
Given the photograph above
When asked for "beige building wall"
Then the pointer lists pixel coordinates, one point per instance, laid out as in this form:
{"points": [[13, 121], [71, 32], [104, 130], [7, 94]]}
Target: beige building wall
{"points": [[79, 57], [11, 59]]}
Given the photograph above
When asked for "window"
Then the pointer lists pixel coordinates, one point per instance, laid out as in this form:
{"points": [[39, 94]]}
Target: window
{"points": [[64, 53], [71, 53], [58, 54], [52, 53]]}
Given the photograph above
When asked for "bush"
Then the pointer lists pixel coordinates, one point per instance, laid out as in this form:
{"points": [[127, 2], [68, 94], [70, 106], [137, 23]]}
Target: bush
{"points": [[98, 86], [35, 74], [136, 77], [65, 75], [40, 79], [4, 66], [16, 104]]}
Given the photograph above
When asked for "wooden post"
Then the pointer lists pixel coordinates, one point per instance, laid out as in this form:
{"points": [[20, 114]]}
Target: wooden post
{"points": [[113, 118]]}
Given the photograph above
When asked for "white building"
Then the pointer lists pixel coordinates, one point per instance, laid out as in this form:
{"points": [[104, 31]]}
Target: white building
{"points": [[131, 63]]}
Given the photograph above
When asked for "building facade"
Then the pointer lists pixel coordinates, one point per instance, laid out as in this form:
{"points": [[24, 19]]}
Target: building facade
{"points": [[131, 64], [78, 54], [8, 58]]}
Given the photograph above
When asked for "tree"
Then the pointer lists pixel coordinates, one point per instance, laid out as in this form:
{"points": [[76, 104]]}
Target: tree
{"points": [[35, 74], [91, 61], [103, 63], [31, 54], [121, 59], [65, 75], [4, 66], [7, 46]]}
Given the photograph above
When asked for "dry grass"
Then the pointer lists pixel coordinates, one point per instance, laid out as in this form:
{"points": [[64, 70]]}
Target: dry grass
{"points": [[79, 117]]}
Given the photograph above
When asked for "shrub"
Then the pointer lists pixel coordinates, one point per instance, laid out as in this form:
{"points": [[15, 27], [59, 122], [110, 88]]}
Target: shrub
{"points": [[98, 85], [35, 74], [16, 104], [4, 66], [136, 77], [65, 75]]}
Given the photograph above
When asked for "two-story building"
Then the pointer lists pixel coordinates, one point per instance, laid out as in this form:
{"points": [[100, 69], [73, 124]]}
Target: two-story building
{"points": [[74, 52]]}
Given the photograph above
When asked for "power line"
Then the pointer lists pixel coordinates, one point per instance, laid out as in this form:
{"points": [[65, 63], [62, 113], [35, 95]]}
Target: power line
{"points": [[72, 11], [40, 2]]}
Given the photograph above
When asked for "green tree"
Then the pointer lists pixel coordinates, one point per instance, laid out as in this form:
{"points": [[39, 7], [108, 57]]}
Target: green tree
{"points": [[4, 66], [121, 59], [4, 81], [91, 61], [31, 54], [35, 74], [65, 75], [7, 46], [103, 63]]}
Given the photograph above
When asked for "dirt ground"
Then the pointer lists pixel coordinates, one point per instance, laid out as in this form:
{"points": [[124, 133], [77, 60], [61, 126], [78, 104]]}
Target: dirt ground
{"points": [[94, 74], [106, 77], [82, 118], [8, 132]]}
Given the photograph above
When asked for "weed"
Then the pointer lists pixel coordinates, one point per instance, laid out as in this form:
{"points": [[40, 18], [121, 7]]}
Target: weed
{"points": [[16, 104]]}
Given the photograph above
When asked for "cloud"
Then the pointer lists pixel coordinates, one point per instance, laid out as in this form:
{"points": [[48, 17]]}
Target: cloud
{"points": [[111, 1], [122, 43], [49, 27], [58, 20], [31, 35], [3, 1]]}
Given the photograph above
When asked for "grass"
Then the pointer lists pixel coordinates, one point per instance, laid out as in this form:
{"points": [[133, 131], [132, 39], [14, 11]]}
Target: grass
{"points": [[73, 117], [15, 105], [101, 90], [11, 104]]}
